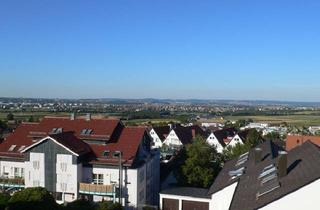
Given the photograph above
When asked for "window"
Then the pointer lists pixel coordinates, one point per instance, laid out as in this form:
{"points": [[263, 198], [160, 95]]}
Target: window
{"points": [[16, 172], [12, 148], [56, 130], [97, 179], [86, 131], [36, 165], [106, 153], [22, 172], [21, 148], [59, 196], [63, 167]]}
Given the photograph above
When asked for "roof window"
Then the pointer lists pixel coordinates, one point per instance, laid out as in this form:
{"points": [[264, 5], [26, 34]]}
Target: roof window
{"points": [[12, 147]]}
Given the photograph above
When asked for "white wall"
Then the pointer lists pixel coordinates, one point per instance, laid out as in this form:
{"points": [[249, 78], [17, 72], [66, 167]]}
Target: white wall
{"points": [[235, 140], [221, 200], [111, 175], [155, 139], [306, 198], [67, 176], [8, 168], [34, 170], [181, 198], [213, 141], [172, 139]]}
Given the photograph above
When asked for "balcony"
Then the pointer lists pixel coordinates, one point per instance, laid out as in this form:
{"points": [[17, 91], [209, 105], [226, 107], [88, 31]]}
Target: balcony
{"points": [[94, 189], [12, 182]]}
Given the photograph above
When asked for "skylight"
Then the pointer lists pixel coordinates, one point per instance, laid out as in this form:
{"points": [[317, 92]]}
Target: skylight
{"points": [[86, 131], [268, 188], [21, 148], [12, 147], [106, 153], [56, 130], [268, 170]]}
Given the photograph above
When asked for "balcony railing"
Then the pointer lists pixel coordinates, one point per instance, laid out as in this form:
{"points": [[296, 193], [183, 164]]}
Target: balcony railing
{"points": [[94, 189], [12, 182]]}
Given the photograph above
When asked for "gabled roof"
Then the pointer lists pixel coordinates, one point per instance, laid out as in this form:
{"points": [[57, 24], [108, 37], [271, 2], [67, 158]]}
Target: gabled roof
{"points": [[186, 134], [221, 135], [302, 168], [66, 140], [162, 132], [295, 140], [126, 140]]}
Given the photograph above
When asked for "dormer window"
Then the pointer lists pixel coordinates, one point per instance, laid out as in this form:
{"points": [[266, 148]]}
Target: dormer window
{"points": [[106, 153], [56, 130], [12, 147], [86, 131]]}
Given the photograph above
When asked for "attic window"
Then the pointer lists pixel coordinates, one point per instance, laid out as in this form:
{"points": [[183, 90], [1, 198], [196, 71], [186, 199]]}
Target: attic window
{"points": [[12, 148], [21, 148], [56, 130], [86, 131], [106, 153]]}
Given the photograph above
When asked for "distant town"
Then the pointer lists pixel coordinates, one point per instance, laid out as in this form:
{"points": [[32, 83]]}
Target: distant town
{"points": [[159, 154]]}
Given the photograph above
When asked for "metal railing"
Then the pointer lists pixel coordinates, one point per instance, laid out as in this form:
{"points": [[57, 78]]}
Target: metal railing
{"points": [[11, 182]]}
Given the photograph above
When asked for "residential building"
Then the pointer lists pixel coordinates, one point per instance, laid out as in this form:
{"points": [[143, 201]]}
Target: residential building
{"points": [[296, 140], [158, 135], [239, 138], [221, 138], [180, 136], [99, 159], [266, 177]]}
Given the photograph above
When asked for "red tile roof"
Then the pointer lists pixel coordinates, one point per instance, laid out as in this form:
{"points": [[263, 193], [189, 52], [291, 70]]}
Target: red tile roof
{"points": [[18, 137], [296, 140], [126, 140], [128, 143]]}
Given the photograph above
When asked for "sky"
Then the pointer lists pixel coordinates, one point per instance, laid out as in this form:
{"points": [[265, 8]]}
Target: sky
{"points": [[178, 49]]}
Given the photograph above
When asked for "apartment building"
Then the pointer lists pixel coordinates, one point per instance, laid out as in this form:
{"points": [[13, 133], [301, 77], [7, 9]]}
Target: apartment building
{"points": [[99, 159]]}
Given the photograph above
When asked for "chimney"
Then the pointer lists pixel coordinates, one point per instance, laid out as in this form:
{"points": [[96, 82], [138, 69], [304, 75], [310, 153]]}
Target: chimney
{"points": [[88, 117], [170, 126], [257, 155], [193, 132], [282, 163], [72, 116]]}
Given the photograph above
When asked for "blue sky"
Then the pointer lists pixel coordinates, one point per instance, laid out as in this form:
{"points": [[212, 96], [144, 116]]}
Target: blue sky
{"points": [[230, 49]]}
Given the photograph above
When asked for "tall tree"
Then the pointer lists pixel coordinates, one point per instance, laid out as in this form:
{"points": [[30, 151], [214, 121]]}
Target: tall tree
{"points": [[201, 166]]}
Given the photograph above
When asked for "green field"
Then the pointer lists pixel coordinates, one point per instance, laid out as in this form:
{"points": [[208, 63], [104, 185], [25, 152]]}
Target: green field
{"points": [[296, 119]]}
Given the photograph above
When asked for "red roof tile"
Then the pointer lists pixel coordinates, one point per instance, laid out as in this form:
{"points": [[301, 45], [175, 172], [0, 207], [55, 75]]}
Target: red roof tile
{"points": [[126, 140]]}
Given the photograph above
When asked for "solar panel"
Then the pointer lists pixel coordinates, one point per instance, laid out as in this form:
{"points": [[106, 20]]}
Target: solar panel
{"points": [[269, 178], [266, 171], [236, 172], [268, 188]]}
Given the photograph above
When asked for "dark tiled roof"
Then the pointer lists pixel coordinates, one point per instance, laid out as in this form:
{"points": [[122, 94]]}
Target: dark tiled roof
{"points": [[162, 131], [187, 191], [223, 134], [186, 134], [303, 168], [68, 140]]}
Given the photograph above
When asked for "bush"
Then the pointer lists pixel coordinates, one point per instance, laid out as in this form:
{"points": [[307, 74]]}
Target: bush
{"points": [[80, 205], [109, 205], [4, 199], [32, 199]]}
